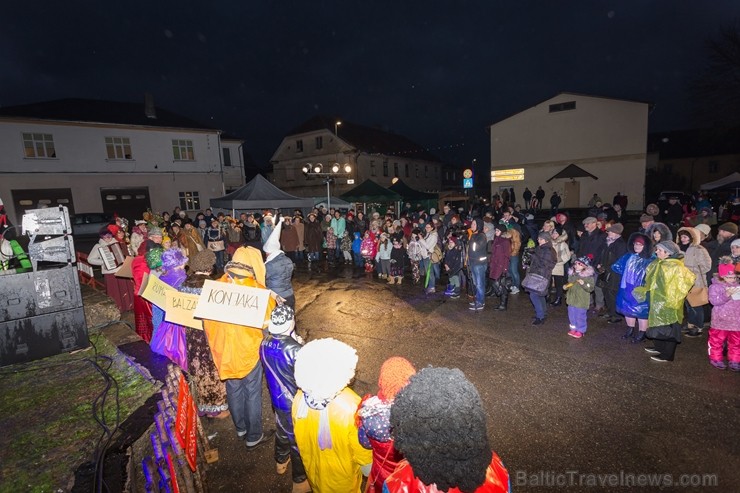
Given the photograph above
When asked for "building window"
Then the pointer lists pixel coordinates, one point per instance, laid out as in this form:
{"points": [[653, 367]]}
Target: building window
{"points": [[39, 146], [426, 171], [406, 166], [713, 166], [182, 150], [668, 167], [395, 169], [417, 170], [189, 201], [319, 142], [298, 146], [372, 168], [447, 175], [227, 156], [118, 148], [567, 106], [385, 167], [436, 172]]}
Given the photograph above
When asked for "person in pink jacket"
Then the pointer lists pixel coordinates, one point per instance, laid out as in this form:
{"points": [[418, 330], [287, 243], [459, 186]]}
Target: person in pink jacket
{"points": [[724, 295]]}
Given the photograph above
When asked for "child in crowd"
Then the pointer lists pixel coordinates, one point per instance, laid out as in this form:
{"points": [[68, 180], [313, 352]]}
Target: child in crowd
{"points": [[368, 250], [579, 288], [383, 256], [416, 252], [398, 261], [356, 247], [453, 263], [724, 295], [346, 247], [331, 245]]}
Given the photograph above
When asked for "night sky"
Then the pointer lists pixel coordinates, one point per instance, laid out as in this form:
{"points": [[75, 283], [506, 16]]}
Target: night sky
{"points": [[436, 72]]}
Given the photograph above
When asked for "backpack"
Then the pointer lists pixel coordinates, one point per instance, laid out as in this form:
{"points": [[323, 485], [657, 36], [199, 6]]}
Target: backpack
{"points": [[436, 255]]}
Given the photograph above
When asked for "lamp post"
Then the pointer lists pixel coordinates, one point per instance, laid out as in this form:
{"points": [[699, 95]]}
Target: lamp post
{"points": [[336, 125], [329, 175]]}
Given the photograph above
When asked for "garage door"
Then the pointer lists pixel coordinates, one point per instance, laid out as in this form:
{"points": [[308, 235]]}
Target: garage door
{"points": [[126, 202], [39, 198]]}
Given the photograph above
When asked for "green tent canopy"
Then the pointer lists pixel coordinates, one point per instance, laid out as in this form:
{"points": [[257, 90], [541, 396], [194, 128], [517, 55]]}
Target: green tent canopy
{"points": [[369, 191], [409, 194]]}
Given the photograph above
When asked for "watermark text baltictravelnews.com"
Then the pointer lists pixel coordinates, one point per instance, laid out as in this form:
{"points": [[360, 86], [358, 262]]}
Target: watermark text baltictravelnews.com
{"points": [[621, 479]]}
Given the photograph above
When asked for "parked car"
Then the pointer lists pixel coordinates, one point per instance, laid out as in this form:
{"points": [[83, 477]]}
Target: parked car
{"points": [[89, 223]]}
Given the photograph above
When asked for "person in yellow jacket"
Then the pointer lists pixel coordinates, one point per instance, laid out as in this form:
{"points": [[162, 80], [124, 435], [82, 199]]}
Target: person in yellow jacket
{"points": [[235, 350], [668, 281], [324, 418]]}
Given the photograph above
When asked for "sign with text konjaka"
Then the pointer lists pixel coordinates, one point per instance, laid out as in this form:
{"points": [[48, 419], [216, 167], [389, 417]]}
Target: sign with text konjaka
{"points": [[154, 290], [179, 308], [232, 303]]}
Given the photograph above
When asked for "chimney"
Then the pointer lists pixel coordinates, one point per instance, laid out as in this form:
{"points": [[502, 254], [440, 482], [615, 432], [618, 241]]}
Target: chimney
{"points": [[149, 110]]}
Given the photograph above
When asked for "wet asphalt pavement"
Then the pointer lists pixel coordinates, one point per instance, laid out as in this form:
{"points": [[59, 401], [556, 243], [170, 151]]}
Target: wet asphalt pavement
{"points": [[564, 414]]}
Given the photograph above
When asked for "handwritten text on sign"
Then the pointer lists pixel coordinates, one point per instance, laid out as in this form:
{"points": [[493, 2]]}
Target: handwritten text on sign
{"points": [[154, 290], [179, 309], [232, 303]]}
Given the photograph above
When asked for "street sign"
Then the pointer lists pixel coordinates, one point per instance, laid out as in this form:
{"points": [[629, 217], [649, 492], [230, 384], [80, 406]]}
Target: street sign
{"points": [[467, 183], [350, 181]]}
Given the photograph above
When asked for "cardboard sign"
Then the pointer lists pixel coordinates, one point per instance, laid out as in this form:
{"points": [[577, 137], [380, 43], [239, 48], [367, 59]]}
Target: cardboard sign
{"points": [[125, 270], [154, 290], [179, 308], [232, 303]]}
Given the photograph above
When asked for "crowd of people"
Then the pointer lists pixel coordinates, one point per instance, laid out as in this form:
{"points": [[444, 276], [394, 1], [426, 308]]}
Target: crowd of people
{"points": [[326, 434]]}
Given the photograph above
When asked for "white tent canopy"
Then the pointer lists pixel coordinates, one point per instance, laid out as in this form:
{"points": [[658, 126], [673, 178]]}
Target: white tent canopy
{"points": [[730, 183], [260, 194]]}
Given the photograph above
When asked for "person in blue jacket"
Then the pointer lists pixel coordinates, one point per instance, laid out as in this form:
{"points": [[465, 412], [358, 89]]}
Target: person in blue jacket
{"points": [[632, 266], [356, 246]]}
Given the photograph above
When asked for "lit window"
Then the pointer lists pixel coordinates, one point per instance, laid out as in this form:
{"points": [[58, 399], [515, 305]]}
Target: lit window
{"points": [[118, 148], [514, 174], [39, 145], [189, 201], [182, 150]]}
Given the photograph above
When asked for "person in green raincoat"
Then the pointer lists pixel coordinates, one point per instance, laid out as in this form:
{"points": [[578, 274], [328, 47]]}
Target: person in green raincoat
{"points": [[668, 282]]}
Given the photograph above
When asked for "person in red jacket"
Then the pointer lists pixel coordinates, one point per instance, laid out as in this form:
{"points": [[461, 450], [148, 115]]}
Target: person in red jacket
{"points": [[439, 425]]}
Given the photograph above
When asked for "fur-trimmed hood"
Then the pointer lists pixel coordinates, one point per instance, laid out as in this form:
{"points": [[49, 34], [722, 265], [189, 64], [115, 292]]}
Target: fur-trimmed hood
{"points": [[562, 238], [587, 272], [647, 251], [665, 233], [694, 234]]}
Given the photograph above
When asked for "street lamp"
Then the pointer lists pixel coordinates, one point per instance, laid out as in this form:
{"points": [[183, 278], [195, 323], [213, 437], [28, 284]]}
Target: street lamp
{"points": [[336, 124], [317, 170]]}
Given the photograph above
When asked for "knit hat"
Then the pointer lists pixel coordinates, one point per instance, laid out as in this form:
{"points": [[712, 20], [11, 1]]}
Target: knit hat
{"points": [[154, 258], [725, 269], [735, 243], [645, 218], [729, 227], [703, 228], [439, 425], [708, 210], [282, 320], [640, 240], [585, 260], [669, 247], [201, 261], [155, 231], [544, 236], [615, 228], [652, 209], [501, 227], [273, 242], [589, 220], [560, 217], [394, 375], [173, 258]]}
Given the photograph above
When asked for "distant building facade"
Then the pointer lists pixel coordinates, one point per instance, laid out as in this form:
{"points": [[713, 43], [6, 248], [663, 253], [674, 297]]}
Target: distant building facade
{"points": [[372, 154], [103, 156], [574, 144]]}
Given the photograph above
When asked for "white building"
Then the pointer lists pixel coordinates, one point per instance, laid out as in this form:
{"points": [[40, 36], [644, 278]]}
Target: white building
{"points": [[372, 153], [123, 158], [574, 144]]}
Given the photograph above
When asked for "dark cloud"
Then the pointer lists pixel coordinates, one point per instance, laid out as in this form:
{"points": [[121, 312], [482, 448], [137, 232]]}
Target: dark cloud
{"points": [[438, 72]]}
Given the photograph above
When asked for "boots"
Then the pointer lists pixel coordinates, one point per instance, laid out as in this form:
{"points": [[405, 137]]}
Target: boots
{"points": [[557, 302], [639, 337], [504, 299], [449, 290], [391, 280], [628, 334], [398, 280]]}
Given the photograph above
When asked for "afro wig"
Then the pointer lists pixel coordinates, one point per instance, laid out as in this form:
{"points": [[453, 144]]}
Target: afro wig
{"points": [[173, 258], [439, 425], [324, 367], [202, 261]]}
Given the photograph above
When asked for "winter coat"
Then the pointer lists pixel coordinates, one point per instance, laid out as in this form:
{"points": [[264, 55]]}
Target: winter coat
{"points": [[398, 257], [313, 235], [368, 248], [725, 310], [665, 233], [252, 233], [278, 274], [384, 250], [346, 244], [289, 238], [668, 282], [265, 232], [579, 295], [454, 259], [632, 269], [696, 258], [339, 225], [430, 241], [611, 254], [560, 244], [543, 260], [374, 431], [723, 250], [335, 469], [96, 258], [277, 353], [300, 230], [592, 245], [498, 263], [403, 480], [357, 243], [477, 252]]}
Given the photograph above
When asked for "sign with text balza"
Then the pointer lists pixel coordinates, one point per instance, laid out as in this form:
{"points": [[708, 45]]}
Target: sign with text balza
{"points": [[233, 303], [179, 309]]}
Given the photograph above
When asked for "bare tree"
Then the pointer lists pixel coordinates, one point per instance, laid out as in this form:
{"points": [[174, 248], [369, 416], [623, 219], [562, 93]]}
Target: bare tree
{"points": [[716, 92]]}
